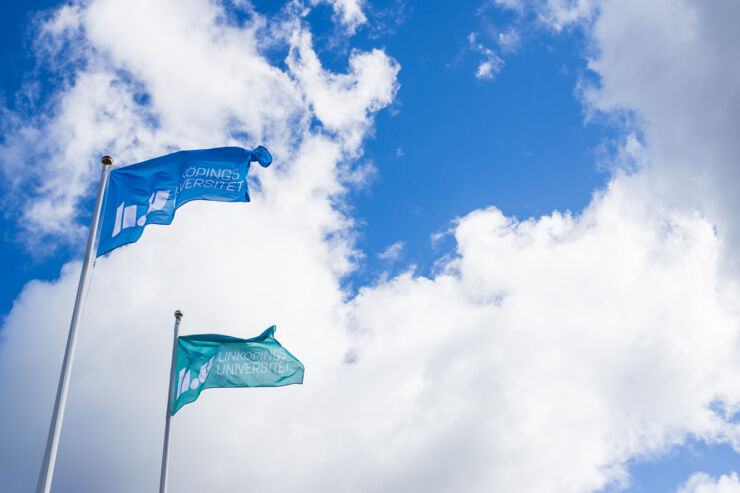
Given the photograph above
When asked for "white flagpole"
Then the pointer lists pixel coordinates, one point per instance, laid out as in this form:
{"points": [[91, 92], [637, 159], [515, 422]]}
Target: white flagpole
{"points": [[52, 443], [170, 403]]}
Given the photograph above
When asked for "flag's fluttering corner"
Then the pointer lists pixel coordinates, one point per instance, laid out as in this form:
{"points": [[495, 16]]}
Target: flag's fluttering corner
{"points": [[210, 360], [149, 192], [262, 156]]}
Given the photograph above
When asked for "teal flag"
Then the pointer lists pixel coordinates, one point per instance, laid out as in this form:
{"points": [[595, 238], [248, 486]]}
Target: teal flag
{"points": [[210, 360]]}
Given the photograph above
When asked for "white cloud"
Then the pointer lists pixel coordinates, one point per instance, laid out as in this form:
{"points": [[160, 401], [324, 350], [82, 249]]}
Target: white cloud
{"points": [[510, 4], [670, 64], [509, 40], [556, 13], [393, 252], [561, 345], [347, 12], [665, 66], [342, 102], [560, 13], [703, 483], [491, 64], [486, 70]]}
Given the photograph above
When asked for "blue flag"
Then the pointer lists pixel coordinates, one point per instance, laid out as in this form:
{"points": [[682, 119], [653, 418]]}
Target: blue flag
{"points": [[149, 192]]}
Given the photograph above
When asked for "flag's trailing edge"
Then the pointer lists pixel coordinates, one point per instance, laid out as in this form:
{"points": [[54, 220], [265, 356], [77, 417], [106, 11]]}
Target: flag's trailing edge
{"points": [[149, 192], [209, 360]]}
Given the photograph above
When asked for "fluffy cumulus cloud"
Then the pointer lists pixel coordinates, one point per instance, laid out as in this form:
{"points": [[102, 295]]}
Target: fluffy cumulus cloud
{"points": [[664, 67], [703, 483], [670, 64], [562, 345], [544, 356]]}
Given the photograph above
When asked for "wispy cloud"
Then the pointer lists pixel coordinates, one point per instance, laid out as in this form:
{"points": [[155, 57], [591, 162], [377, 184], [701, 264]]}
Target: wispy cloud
{"points": [[393, 252], [491, 63], [509, 40]]}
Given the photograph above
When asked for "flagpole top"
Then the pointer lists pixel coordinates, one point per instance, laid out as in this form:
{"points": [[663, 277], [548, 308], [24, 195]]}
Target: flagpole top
{"points": [[106, 161], [178, 314]]}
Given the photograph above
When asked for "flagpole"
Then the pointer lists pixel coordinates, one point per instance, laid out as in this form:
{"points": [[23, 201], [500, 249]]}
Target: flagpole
{"points": [[170, 402], [52, 442]]}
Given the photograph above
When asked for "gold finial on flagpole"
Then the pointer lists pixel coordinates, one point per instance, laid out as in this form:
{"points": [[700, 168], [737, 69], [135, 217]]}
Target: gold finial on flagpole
{"points": [[106, 161]]}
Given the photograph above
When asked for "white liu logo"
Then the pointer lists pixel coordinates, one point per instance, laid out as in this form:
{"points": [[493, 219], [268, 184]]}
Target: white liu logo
{"points": [[126, 216], [184, 383]]}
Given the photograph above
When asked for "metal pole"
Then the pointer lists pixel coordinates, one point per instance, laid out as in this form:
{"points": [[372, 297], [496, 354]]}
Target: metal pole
{"points": [[170, 402], [52, 443]]}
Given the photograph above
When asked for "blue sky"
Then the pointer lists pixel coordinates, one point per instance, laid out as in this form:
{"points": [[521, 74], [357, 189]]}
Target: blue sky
{"points": [[519, 142], [565, 173]]}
